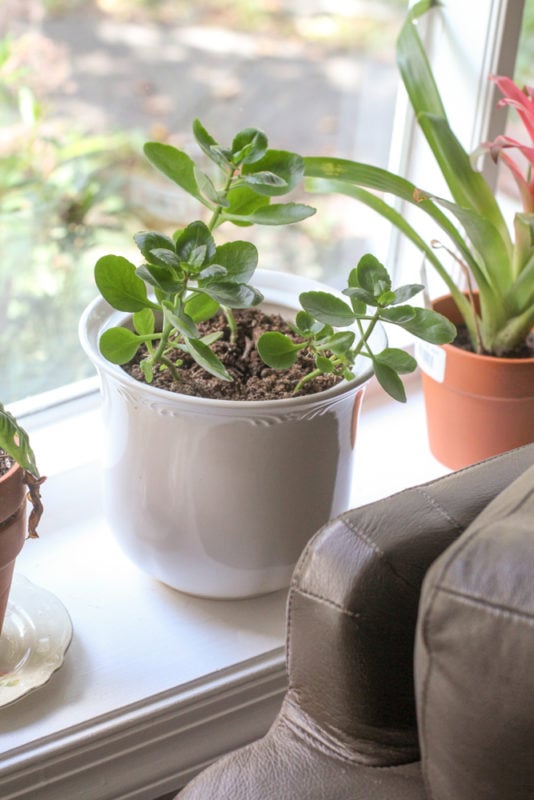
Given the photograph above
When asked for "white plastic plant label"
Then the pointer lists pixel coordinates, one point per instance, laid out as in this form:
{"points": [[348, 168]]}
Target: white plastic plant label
{"points": [[431, 359]]}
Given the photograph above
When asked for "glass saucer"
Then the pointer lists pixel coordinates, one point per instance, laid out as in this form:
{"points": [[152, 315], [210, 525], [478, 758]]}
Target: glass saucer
{"points": [[36, 634]]}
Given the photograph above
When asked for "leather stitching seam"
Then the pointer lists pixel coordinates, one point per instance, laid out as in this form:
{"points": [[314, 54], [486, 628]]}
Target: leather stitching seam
{"points": [[328, 602], [496, 609]]}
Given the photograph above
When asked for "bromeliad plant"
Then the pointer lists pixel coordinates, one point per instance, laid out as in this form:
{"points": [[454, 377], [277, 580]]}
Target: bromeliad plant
{"points": [[371, 300], [191, 277], [502, 266], [15, 445]]}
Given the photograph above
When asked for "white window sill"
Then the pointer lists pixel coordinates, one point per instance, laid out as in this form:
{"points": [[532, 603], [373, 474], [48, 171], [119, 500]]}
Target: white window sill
{"points": [[155, 683]]}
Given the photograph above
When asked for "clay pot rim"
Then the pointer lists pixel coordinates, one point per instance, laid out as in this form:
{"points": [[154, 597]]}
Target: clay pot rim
{"points": [[11, 471], [489, 358], [462, 353]]}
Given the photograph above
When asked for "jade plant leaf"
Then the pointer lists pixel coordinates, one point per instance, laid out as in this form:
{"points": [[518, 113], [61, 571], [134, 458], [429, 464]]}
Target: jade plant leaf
{"points": [[119, 345], [176, 165], [119, 285], [207, 359], [277, 350], [327, 308]]}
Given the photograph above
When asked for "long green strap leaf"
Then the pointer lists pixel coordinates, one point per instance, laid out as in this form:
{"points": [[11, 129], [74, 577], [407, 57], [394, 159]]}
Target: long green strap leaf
{"points": [[382, 180], [468, 187], [494, 264], [414, 66], [392, 215]]}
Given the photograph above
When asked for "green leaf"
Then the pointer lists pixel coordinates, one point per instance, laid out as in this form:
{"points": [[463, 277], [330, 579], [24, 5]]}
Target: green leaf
{"points": [[212, 271], [242, 202], [359, 306], [210, 192], [119, 345], [340, 343], [16, 443], [263, 182], [147, 368], [210, 147], [373, 276], [160, 277], [399, 315], [182, 322], [361, 297], [421, 322], [195, 244], [404, 293], [287, 167], [165, 257], [347, 177], [148, 241], [144, 321], [389, 381], [233, 295], [176, 165], [494, 268], [205, 358], [327, 308], [200, 307], [118, 283], [399, 360], [468, 187], [324, 364], [307, 324], [249, 146], [210, 338], [277, 350], [239, 259], [275, 214]]}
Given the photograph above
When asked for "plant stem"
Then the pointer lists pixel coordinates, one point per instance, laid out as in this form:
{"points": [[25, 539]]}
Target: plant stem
{"points": [[364, 335], [158, 354], [230, 319], [217, 213]]}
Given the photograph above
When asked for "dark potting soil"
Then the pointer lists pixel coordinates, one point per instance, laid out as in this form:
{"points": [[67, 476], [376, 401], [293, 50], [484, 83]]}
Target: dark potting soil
{"points": [[463, 341], [252, 379]]}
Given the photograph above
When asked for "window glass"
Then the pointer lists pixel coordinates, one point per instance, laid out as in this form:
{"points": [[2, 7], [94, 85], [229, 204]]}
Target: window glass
{"points": [[84, 83]]}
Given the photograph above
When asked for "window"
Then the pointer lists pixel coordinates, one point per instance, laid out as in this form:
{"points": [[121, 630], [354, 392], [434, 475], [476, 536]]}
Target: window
{"points": [[86, 82]]}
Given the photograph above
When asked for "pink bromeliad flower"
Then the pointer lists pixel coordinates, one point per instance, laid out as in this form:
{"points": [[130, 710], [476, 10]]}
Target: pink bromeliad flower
{"points": [[523, 102]]}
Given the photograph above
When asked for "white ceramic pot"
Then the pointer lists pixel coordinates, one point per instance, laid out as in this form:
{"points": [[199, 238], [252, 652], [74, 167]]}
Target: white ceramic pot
{"points": [[216, 497]]}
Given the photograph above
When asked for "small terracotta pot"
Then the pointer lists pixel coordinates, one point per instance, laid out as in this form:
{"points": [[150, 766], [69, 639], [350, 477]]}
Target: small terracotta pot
{"points": [[12, 529], [476, 406]]}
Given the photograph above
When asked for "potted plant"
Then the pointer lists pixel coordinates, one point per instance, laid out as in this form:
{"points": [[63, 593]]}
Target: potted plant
{"points": [[479, 394], [220, 465], [19, 476]]}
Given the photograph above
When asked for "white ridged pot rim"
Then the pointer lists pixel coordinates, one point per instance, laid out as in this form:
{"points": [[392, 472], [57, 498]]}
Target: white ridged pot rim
{"points": [[279, 288]]}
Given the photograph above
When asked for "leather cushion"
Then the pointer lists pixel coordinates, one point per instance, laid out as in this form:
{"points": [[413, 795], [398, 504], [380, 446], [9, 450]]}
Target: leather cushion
{"points": [[290, 764], [475, 656]]}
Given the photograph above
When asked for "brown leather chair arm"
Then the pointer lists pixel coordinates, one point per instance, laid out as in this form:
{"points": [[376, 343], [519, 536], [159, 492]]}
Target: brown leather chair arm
{"points": [[347, 728]]}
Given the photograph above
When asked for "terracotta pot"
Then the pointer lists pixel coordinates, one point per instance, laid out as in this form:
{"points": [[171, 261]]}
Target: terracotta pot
{"points": [[217, 497], [476, 406], [12, 529]]}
